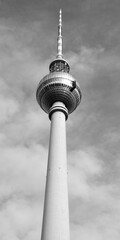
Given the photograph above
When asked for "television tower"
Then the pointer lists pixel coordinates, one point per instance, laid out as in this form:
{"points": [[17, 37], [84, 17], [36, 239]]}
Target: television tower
{"points": [[58, 94]]}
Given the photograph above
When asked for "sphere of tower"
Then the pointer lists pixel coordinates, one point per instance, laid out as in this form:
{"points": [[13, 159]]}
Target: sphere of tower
{"points": [[58, 86]]}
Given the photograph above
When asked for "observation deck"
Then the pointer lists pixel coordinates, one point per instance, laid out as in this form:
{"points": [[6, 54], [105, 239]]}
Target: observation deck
{"points": [[58, 87]]}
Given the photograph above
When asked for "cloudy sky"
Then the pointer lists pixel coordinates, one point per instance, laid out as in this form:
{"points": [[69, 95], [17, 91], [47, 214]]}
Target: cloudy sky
{"points": [[28, 32]]}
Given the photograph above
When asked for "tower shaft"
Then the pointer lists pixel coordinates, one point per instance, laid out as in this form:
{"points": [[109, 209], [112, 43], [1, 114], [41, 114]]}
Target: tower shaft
{"points": [[56, 214]]}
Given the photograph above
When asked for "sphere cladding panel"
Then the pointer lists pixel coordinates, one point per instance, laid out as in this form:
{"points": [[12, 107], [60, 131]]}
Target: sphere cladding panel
{"points": [[58, 87]]}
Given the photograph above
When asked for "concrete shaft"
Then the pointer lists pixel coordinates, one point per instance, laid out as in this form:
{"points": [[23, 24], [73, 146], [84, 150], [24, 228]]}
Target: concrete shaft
{"points": [[56, 214]]}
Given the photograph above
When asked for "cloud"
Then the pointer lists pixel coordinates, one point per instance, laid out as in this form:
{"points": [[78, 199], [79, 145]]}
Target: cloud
{"points": [[83, 165], [8, 108], [94, 204], [22, 139], [17, 220], [22, 178]]}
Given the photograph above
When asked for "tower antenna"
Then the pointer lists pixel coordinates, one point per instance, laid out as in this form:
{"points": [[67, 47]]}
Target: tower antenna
{"points": [[59, 38]]}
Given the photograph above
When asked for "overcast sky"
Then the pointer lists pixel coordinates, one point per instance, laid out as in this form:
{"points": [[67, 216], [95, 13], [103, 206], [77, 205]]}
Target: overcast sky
{"points": [[28, 32]]}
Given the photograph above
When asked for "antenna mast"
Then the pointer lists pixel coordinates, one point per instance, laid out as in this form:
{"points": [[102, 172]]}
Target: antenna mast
{"points": [[59, 38]]}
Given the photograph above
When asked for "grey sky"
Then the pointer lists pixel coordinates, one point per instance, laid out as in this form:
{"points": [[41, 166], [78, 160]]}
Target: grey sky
{"points": [[28, 32]]}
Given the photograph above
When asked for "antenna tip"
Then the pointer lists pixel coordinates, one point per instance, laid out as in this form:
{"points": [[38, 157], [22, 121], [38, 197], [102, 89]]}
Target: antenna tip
{"points": [[60, 17]]}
